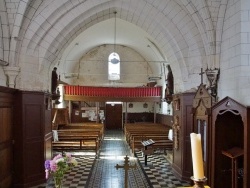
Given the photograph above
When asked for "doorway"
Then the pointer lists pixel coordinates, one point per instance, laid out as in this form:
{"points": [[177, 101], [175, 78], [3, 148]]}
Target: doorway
{"points": [[113, 119]]}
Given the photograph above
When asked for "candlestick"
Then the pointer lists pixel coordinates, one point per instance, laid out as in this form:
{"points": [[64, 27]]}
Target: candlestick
{"points": [[199, 183], [197, 156]]}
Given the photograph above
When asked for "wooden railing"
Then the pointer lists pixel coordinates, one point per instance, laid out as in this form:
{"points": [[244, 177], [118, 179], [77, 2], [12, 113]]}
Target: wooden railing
{"points": [[89, 91], [72, 91]]}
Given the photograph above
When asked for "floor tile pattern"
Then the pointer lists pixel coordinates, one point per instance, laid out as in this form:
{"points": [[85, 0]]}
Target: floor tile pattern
{"points": [[159, 171], [105, 175], [100, 172], [78, 176]]}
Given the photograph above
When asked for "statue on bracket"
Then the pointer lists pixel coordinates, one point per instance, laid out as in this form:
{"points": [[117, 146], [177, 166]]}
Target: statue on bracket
{"points": [[169, 91], [54, 84], [54, 79]]}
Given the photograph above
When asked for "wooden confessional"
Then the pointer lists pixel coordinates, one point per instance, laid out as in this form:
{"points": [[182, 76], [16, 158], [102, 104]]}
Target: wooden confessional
{"points": [[182, 127], [230, 145]]}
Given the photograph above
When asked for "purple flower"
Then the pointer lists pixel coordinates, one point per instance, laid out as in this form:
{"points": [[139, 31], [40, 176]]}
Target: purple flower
{"points": [[59, 165], [47, 164], [53, 165], [57, 157]]}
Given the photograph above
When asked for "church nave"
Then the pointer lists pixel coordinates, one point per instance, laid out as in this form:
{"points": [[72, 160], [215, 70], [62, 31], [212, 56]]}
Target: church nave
{"points": [[100, 172]]}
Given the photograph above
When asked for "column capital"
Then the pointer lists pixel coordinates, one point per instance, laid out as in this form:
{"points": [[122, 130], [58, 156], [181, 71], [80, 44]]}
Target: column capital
{"points": [[11, 73]]}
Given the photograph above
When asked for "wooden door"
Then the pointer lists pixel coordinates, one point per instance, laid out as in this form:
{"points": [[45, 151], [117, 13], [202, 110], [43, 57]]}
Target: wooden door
{"points": [[113, 119]]}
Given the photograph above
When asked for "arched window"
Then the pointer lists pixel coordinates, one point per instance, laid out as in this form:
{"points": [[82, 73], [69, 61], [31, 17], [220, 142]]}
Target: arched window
{"points": [[114, 66]]}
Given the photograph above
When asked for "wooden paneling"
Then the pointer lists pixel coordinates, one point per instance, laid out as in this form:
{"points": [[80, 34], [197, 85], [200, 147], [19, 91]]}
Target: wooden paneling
{"points": [[139, 117], [32, 134], [164, 119], [182, 158], [6, 136]]}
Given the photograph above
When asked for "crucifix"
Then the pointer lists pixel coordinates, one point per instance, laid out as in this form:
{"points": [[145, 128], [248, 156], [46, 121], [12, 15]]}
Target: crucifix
{"points": [[201, 75], [126, 167]]}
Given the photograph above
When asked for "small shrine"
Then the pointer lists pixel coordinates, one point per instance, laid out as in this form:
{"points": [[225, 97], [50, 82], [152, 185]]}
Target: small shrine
{"points": [[201, 112]]}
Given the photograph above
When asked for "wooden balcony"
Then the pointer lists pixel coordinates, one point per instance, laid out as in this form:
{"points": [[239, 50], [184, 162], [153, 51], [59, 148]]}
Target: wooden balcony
{"points": [[123, 94]]}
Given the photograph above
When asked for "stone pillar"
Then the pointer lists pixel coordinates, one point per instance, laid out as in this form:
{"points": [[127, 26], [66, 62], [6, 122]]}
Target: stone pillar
{"points": [[11, 73]]}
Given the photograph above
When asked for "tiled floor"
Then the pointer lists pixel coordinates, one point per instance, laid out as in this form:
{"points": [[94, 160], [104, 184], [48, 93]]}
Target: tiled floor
{"points": [[101, 172]]}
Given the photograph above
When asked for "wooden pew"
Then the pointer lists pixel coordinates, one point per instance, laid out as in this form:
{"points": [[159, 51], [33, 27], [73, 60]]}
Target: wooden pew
{"points": [[136, 133], [85, 126], [71, 139], [161, 142], [138, 128]]}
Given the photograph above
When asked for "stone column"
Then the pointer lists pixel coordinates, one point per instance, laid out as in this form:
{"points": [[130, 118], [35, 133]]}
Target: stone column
{"points": [[11, 73]]}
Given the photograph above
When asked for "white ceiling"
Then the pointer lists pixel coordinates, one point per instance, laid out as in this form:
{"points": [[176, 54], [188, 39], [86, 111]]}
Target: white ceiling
{"points": [[127, 34]]}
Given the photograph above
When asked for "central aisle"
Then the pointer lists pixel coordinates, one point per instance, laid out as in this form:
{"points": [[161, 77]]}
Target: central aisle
{"points": [[112, 152], [100, 172]]}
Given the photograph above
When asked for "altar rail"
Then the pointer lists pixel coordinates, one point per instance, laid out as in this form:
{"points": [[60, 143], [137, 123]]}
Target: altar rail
{"points": [[113, 92]]}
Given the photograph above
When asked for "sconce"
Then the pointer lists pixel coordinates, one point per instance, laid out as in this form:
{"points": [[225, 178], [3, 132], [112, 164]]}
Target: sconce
{"points": [[145, 105], [213, 76], [130, 105]]}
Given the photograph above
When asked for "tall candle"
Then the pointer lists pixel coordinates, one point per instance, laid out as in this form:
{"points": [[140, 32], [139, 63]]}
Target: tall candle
{"points": [[197, 156]]}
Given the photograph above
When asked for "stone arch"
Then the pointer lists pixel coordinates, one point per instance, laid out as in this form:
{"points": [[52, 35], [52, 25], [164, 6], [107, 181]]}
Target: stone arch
{"points": [[49, 43], [15, 40], [4, 53]]}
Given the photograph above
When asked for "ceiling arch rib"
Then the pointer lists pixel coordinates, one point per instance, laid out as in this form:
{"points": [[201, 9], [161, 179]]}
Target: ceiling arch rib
{"points": [[171, 41], [48, 17], [199, 12], [173, 45], [42, 26], [4, 53], [14, 38]]}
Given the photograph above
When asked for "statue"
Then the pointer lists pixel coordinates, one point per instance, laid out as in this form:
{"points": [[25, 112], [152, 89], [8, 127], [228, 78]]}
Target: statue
{"points": [[169, 91], [170, 81], [54, 79]]}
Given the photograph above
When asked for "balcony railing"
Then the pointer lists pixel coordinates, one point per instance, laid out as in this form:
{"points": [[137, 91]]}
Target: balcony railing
{"points": [[126, 92]]}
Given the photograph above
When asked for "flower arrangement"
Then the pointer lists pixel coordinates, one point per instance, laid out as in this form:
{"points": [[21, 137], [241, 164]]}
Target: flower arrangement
{"points": [[58, 166]]}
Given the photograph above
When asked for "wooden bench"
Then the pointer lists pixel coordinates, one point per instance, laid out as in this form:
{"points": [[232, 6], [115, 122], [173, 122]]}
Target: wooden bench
{"points": [[136, 133], [161, 142], [131, 128], [77, 139], [85, 126]]}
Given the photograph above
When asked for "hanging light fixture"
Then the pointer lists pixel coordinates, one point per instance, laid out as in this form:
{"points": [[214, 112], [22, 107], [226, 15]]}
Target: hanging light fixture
{"points": [[114, 60]]}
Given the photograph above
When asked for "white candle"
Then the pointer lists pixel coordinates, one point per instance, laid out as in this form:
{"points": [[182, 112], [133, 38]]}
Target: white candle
{"points": [[197, 156]]}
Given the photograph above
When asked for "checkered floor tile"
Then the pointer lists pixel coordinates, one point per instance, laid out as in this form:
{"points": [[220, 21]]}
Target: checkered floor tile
{"points": [[159, 171], [101, 171]]}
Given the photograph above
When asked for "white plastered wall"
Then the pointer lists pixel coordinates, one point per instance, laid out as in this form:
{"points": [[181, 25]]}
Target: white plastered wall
{"points": [[92, 68], [235, 53]]}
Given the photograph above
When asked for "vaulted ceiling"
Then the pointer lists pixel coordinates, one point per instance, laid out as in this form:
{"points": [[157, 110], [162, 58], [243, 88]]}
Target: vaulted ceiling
{"points": [[176, 32]]}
